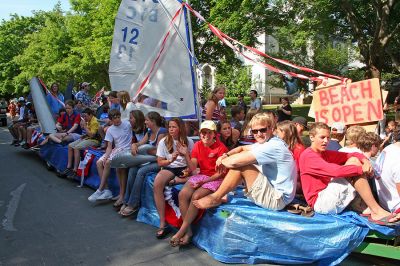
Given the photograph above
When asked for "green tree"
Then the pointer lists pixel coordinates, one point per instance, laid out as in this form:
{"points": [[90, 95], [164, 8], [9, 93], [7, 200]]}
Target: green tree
{"points": [[237, 79]]}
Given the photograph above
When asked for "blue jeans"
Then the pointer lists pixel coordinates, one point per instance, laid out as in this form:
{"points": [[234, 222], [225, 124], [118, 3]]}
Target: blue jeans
{"points": [[135, 182]]}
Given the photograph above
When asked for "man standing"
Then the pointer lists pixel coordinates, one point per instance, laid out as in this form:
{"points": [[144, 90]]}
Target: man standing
{"points": [[255, 103], [271, 183], [83, 94], [330, 179]]}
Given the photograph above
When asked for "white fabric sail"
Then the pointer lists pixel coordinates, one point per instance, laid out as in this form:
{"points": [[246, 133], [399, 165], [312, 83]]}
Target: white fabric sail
{"points": [[142, 48]]}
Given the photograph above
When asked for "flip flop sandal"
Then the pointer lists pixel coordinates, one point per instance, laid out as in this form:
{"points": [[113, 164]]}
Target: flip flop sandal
{"points": [[293, 208], [385, 221], [163, 232], [128, 211], [118, 204], [366, 215], [174, 242], [306, 211]]}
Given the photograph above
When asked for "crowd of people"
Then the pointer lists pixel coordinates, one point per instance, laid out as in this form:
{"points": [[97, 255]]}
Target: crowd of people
{"points": [[264, 150]]}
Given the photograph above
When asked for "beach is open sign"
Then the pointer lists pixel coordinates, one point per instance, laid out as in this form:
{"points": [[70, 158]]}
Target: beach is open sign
{"points": [[352, 103]]}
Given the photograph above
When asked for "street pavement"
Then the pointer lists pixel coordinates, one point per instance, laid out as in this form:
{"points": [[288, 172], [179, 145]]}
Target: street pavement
{"points": [[46, 220]]}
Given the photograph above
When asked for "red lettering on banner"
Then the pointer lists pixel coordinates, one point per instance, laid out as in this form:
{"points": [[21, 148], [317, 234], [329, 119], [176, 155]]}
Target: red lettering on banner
{"points": [[366, 87], [377, 109], [321, 116], [336, 114], [323, 96], [345, 96], [333, 95], [346, 112], [357, 113], [351, 88]]}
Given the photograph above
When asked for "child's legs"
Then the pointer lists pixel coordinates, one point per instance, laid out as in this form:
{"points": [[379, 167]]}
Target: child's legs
{"points": [[161, 180], [129, 186], [138, 184], [104, 165], [122, 176], [192, 212], [185, 197]]}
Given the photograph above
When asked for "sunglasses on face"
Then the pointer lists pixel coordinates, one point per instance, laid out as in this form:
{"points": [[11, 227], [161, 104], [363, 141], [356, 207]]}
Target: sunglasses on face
{"points": [[261, 130]]}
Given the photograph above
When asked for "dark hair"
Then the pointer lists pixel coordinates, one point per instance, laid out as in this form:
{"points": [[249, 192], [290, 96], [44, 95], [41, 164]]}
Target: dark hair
{"points": [[254, 92], [62, 109], [139, 126], [229, 143], [156, 118], [290, 137], [113, 94], [70, 103], [88, 111], [235, 110], [113, 113]]}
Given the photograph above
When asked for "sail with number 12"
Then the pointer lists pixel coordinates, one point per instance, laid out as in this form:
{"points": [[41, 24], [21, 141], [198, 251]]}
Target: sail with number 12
{"points": [[152, 57]]}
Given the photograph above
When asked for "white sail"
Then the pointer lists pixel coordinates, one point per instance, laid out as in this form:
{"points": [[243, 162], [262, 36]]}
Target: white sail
{"points": [[140, 29]]}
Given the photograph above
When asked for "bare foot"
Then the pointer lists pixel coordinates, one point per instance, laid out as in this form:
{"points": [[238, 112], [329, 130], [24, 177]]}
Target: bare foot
{"points": [[185, 240], [387, 216], [207, 202]]}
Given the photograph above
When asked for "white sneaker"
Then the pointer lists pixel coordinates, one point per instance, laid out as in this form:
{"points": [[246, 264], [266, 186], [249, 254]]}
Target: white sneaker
{"points": [[95, 195], [105, 195]]}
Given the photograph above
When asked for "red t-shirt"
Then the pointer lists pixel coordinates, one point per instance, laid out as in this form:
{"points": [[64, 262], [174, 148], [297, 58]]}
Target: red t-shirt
{"points": [[207, 156], [317, 170], [67, 121]]}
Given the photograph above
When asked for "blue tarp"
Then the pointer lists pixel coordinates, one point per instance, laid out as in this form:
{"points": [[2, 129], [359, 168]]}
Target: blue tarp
{"points": [[242, 232]]}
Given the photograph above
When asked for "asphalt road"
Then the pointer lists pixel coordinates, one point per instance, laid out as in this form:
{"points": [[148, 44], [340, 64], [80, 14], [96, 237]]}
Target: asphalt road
{"points": [[46, 220]]}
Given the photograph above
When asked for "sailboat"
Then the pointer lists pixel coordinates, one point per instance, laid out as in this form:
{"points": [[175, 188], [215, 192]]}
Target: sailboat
{"points": [[152, 57]]}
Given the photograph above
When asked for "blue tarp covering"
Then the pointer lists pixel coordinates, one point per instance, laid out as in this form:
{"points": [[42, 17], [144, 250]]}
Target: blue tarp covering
{"points": [[241, 232]]}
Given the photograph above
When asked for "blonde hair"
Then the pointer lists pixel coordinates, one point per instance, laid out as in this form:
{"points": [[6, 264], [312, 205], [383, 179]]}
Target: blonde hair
{"points": [[246, 124], [263, 118], [212, 96], [353, 135], [124, 98]]}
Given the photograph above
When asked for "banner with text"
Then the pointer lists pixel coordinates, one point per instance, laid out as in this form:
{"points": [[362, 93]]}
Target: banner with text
{"points": [[353, 103]]}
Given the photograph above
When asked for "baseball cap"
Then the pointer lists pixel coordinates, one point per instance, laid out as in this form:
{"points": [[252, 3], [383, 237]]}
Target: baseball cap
{"points": [[300, 120], [339, 127], [21, 99], [85, 84], [208, 124]]}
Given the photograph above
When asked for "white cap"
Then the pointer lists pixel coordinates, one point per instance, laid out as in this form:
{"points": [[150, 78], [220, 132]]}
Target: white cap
{"points": [[85, 84], [208, 124], [21, 99], [339, 127]]}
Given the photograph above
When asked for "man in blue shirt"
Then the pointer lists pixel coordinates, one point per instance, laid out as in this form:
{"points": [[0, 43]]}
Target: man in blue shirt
{"points": [[267, 167]]}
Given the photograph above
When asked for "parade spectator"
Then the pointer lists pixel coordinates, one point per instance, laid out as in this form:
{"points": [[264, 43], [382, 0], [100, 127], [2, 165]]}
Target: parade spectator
{"points": [[390, 130], [237, 117], [83, 94], [125, 104], [22, 118], [211, 110], [301, 126], [330, 179], [271, 184], [388, 186], [241, 103], [255, 102], [12, 109], [118, 138], [55, 99], [227, 135], [30, 122], [284, 110], [353, 136], [137, 173], [68, 126], [204, 155], [173, 155], [338, 130], [89, 138], [79, 107]]}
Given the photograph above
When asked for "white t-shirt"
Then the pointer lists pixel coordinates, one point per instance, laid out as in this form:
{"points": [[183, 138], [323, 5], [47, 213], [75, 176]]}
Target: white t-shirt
{"points": [[180, 161], [388, 166], [121, 135], [125, 113], [350, 150]]}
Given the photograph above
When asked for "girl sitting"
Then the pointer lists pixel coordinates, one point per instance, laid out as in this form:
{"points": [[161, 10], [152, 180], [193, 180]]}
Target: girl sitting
{"points": [[173, 153], [204, 155]]}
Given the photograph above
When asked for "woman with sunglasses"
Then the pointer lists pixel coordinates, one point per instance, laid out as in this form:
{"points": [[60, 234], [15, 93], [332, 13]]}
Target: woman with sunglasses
{"points": [[204, 155]]}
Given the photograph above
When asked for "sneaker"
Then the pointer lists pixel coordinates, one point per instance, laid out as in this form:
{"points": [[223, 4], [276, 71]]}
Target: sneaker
{"points": [[105, 195], [22, 143], [35, 148], [95, 196]]}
